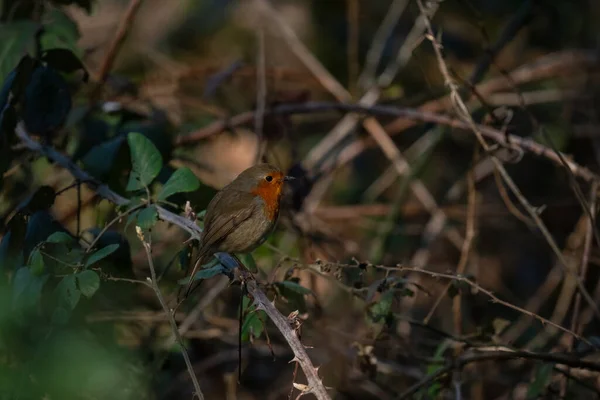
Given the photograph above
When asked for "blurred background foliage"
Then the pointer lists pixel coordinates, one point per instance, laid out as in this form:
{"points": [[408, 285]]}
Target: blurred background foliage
{"points": [[135, 87]]}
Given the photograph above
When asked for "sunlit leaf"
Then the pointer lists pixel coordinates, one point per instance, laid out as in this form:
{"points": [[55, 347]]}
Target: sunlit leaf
{"points": [[145, 159]]}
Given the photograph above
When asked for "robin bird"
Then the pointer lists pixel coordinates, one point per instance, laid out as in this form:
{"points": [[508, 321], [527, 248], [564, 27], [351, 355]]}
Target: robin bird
{"points": [[242, 215]]}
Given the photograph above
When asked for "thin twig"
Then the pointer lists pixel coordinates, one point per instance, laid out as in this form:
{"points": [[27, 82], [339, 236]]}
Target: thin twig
{"points": [[261, 95], [391, 18], [468, 244], [154, 284], [115, 45], [573, 360], [525, 144], [458, 278], [583, 268], [464, 114]]}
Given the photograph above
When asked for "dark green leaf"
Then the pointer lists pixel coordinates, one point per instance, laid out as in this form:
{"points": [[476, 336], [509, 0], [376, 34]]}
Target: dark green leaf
{"points": [[16, 38], [41, 225], [42, 199], [182, 180], [101, 254], [99, 160], [204, 273], [36, 262], [47, 101], [85, 4], [381, 309], [145, 159], [27, 288], [540, 383], [64, 60], [294, 287], [147, 218], [60, 316], [60, 31], [68, 293], [131, 218], [89, 282], [252, 327], [11, 247], [249, 262], [60, 237]]}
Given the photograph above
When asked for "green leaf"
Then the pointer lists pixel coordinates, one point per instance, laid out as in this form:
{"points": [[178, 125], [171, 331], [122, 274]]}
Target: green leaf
{"points": [[47, 101], [540, 383], [60, 31], [249, 262], [100, 159], [68, 293], [147, 218], [60, 237], [434, 389], [61, 257], [252, 327], [145, 159], [294, 287], [27, 288], [60, 316], [381, 309], [36, 262], [100, 254], [64, 60], [89, 282], [182, 180], [130, 218], [204, 273], [16, 38]]}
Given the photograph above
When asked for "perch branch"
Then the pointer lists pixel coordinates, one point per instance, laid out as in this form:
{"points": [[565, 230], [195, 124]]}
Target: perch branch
{"points": [[315, 385]]}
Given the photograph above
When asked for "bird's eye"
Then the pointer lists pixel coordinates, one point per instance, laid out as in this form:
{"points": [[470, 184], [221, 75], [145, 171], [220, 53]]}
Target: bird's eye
{"points": [[269, 178]]}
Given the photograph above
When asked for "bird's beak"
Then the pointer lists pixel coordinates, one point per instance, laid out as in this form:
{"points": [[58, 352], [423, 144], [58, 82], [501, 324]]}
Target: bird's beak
{"points": [[288, 178]]}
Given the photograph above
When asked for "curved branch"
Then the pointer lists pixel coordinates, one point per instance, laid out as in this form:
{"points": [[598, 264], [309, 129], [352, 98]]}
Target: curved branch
{"points": [[499, 137]]}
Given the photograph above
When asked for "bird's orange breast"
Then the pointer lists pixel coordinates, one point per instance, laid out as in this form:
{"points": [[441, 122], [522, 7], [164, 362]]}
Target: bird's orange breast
{"points": [[270, 192]]}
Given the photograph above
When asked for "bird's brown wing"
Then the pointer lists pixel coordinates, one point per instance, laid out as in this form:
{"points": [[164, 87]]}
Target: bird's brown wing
{"points": [[234, 208]]}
